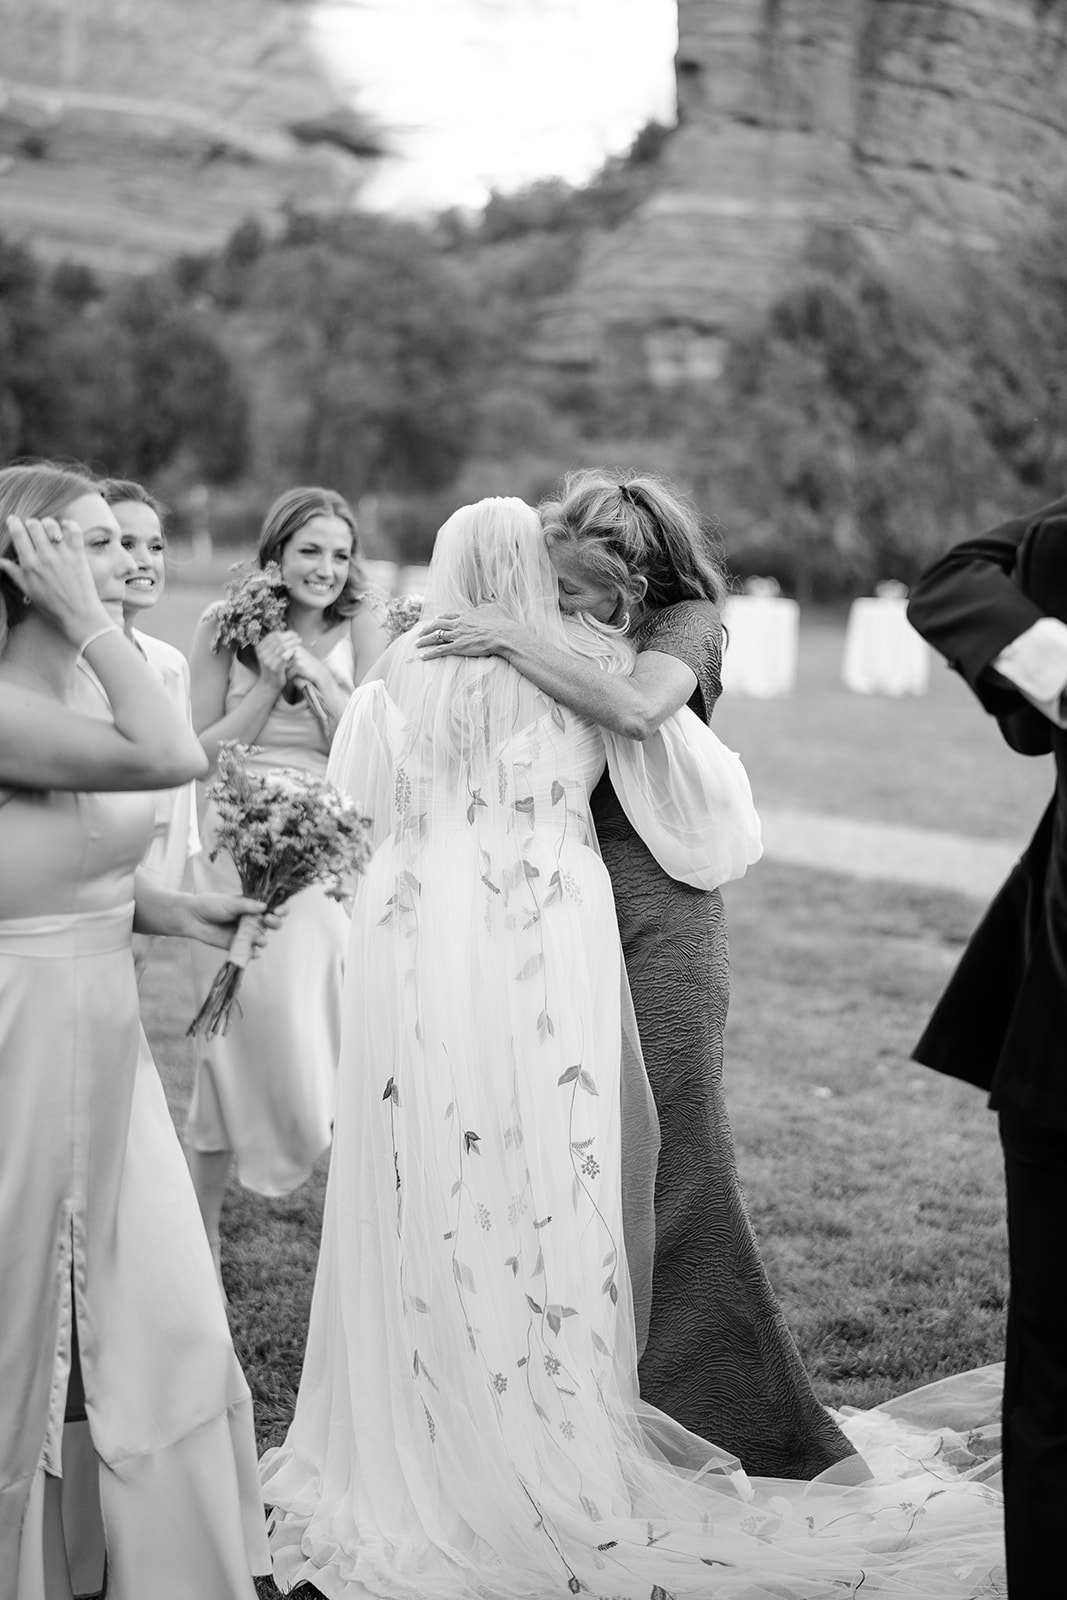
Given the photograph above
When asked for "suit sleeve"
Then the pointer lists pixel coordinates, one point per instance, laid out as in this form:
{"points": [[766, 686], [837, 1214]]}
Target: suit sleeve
{"points": [[981, 596], [969, 607]]}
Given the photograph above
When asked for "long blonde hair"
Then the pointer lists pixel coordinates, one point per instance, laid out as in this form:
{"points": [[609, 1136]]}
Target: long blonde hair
{"points": [[34, 489]]}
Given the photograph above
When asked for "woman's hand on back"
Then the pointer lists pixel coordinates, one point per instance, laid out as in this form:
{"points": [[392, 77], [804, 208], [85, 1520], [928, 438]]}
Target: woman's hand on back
{"points": [[52, 571], [485, 630]]}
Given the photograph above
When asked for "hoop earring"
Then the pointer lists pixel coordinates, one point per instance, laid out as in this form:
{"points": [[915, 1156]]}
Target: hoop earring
{"points": [[624, 622]]}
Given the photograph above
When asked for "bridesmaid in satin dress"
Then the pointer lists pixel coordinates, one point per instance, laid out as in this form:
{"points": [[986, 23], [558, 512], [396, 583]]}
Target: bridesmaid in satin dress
{"points": [[264, 1091], [719, 1357], [113, 1336]]}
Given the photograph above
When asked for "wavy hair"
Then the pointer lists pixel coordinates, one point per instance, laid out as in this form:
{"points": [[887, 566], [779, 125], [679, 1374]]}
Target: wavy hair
{"points": [[633, 529], [33, 489], [288, 515]]}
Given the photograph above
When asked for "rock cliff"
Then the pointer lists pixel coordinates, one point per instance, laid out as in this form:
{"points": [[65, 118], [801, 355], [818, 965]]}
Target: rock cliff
{"points": [[131, 130], [919, 122]]}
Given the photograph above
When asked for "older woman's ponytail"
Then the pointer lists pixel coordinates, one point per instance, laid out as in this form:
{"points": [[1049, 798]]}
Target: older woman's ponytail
{"points": [[637, 528]]}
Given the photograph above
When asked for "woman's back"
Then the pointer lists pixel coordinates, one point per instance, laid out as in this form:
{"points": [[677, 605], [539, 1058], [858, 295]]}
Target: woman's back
{"points": [[468, 746]]}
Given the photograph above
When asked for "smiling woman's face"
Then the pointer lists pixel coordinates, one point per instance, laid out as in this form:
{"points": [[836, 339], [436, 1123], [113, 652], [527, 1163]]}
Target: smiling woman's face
{"points": [[142, 538], [316, 561], [579, 591]]}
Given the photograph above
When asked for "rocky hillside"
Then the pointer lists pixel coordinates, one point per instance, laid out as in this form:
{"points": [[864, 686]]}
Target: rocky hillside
{"points": [[131, 130], [918, 122]]}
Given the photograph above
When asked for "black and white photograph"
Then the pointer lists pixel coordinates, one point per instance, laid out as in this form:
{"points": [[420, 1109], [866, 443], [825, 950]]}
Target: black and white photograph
{"points": [[533, 799]]}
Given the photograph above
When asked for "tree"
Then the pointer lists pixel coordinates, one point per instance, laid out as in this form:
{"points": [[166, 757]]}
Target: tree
{"points": [[128, 381], [146, 383], [30, 382], [381, 340], [872, 418]]}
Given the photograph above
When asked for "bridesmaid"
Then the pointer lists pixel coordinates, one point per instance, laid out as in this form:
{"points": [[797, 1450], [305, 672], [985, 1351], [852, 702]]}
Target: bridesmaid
{"points": [[110, 1309], [175, 835], [264, 1091], [719, 1357]]}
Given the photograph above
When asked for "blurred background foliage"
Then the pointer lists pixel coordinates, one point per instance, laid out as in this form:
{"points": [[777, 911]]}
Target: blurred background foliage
{"points": [[877, 411]]}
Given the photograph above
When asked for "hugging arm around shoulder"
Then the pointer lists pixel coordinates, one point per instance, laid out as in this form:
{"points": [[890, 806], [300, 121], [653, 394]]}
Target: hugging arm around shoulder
{"points": [[632, 705], [678, 663]]}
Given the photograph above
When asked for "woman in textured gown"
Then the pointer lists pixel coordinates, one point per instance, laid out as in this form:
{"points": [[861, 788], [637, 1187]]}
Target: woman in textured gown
{"points": [[264, 1091], [110, 1307], [468, 1425], [719, 1356], [175, 835]]}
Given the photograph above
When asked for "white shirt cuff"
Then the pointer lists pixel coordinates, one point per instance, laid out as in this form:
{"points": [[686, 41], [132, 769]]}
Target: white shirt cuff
{"points": [[1036, 663]]}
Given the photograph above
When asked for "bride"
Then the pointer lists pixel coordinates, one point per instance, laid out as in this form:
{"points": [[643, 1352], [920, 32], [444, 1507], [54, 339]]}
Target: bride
{"points": [[468, 1423]]}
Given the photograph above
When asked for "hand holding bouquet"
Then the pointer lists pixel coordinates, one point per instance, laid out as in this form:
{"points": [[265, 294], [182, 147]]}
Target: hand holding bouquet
{"points": [[285, 830], [257, 603]]}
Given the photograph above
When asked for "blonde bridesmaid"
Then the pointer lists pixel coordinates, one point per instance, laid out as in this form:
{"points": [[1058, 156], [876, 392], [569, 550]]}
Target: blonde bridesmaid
{"points": [[112, 1323]]}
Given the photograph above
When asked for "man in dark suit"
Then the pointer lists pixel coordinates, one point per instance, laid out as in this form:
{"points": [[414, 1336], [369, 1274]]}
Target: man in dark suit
{"points": [[996, 607]]}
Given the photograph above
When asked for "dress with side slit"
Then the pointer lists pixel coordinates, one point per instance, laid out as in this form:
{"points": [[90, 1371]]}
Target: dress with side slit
{"points": [[102, 1250]]}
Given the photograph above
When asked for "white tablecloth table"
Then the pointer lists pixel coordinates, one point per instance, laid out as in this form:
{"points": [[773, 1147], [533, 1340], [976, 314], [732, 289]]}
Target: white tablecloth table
{"points": [[760, 658], [883, 653]]}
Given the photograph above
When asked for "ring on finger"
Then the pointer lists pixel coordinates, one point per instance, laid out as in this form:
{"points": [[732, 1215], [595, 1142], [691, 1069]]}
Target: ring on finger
{"points": [[56, 535]]}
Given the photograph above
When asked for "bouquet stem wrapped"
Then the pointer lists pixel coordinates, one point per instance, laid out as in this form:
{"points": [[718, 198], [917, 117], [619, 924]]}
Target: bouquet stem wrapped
{"points": [[285, 830], [317, 707]]}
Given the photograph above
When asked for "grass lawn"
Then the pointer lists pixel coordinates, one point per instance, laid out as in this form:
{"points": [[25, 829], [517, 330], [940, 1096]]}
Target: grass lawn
{"points": [[875, 1186]]}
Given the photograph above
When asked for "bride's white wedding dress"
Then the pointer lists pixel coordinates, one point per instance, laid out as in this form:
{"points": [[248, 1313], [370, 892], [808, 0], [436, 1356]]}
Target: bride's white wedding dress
{"points": [[468, 1423]]}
